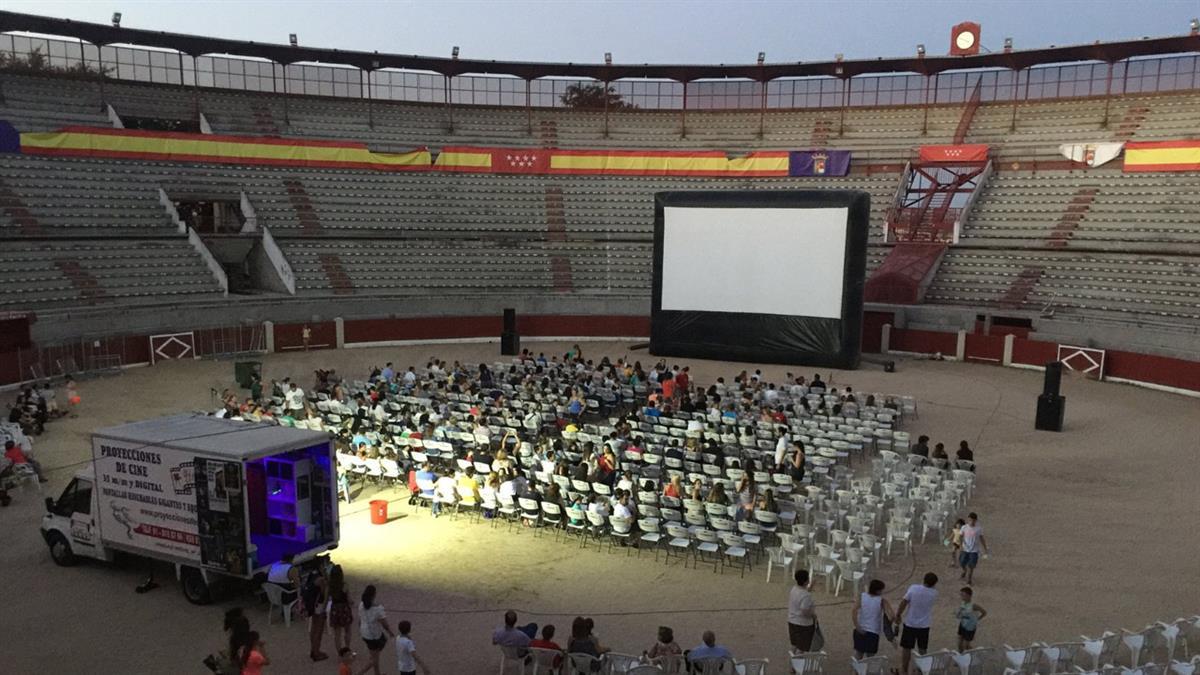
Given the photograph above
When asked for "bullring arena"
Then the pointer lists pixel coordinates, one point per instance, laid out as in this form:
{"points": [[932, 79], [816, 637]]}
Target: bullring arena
{"points": [[349, 267]]}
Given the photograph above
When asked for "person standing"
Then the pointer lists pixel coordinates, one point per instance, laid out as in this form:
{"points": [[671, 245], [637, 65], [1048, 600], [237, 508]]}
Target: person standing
{"points": [[341, 613], [315, 598], [972, 542], [802, 615], [915, 614], [295, 401], [969, 615], [374, 628], [870, 612]]}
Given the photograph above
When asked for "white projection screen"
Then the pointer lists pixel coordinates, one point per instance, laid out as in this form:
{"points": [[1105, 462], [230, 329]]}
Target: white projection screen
{"points": [[756, 275]]}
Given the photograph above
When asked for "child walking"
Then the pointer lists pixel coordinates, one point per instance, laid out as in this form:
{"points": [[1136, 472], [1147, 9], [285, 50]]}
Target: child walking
{"points": [[955, 540], [407, 659], [969, 615]]}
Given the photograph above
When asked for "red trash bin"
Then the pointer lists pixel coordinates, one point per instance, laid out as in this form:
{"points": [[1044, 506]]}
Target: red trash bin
{"points": [[379, 512]]}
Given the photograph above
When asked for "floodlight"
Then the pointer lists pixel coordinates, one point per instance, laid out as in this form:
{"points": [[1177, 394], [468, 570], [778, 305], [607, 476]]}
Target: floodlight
{"points": [[608, 58], [1195, 24], [921, 51], [292, 40], [762, 57], [454, 53], [116, 20], [1008, 44]]}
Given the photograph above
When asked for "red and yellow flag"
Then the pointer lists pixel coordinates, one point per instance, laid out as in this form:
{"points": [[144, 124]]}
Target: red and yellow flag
{"points": [[1162, 156], [186, 147]]}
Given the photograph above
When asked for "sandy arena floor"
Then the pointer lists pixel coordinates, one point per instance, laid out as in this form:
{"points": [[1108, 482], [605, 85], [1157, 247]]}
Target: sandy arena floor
{"points": [[1092, 529]]}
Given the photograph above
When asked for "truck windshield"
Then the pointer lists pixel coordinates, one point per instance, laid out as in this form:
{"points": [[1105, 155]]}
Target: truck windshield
{"points": [[76, 498]]}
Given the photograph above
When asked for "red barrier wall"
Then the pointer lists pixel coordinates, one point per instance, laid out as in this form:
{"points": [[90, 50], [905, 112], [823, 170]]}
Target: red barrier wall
{"points": [[1151, 368], [872, 330], [986, 348], [431, 328], [528, 325], [1033, 352], [290, 336], [923, 341]]}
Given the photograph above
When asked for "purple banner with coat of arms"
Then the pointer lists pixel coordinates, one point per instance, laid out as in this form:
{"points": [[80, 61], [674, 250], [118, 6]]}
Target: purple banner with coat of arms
{"points": [[818, 162]]}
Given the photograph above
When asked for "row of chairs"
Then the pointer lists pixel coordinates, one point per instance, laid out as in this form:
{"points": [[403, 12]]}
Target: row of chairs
{"points": [[535, 661]]}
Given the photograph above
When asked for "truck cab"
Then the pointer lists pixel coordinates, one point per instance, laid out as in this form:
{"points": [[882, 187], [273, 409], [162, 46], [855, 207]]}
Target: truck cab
{"points": [[69, 526]]}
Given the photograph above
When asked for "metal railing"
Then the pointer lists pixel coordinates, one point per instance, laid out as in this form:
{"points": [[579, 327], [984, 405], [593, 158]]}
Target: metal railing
{"points": [[138, 64]]}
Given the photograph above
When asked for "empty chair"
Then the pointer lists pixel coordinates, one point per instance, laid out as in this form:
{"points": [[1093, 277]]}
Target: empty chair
{"points": [[779, 556], [1139, 641], [872, 665], [1060, 656], [808, 663], [583, 664], [751, 667], [1022, 660], [974, 661], [935, 663], [1102, 650], [616, 662]]}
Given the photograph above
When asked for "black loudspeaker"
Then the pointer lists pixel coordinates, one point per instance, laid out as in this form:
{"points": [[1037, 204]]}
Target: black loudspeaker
{"points": [[889, 366], [510, 341], [1053, 378], [1050, 411], [510, 344]]}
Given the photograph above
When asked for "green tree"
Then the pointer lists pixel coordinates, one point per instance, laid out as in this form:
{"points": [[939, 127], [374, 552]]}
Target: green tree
{"points": [[592, 97]]}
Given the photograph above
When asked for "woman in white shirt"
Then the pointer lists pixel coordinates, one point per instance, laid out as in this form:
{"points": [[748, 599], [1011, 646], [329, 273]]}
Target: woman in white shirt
{"points": [[373, 625], [869, 615]]}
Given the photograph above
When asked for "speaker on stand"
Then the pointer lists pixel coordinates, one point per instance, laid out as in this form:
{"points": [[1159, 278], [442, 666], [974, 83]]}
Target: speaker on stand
{"points": [[1051, 406], [510, 341]]}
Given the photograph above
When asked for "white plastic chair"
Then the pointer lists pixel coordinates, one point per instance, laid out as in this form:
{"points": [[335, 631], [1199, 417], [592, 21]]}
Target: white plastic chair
{"points": [[275, 597], [974, 661], [543, 660], [1138, 641], [1103, 649], [510, 657], [1022, 660], [584, 664], [1061, 655], [751, 667], [779, 556], [872, 665], [714, 666], [808, 663], [935, 663], [1185, 667], [616, 663]]}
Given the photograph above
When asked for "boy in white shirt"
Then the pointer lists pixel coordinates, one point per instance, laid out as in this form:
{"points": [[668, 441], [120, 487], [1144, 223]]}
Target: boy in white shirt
{"points": [[407, 659]]}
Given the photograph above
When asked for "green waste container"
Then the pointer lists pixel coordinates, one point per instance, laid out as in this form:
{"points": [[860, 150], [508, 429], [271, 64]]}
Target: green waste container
{"points": [[246, 372]]}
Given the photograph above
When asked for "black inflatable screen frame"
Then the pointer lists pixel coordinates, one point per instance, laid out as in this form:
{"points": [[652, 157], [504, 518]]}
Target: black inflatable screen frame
{"points": [[767, 338]]}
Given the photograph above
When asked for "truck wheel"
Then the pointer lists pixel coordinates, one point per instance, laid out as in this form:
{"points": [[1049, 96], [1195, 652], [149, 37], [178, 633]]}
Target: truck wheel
{"points": [[195, 589], [60, 550]]}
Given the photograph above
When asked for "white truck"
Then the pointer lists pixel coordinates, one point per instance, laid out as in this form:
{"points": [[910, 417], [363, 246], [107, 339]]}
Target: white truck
{"points": [[215, 497]]}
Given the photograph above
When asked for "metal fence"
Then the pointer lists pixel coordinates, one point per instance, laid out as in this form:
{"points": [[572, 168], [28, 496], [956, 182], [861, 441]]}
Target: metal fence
{"points": [[140, 64]]}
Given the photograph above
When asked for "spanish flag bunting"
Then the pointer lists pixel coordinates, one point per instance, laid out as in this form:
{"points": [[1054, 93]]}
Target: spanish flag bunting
{"points": [[1162, 156]]}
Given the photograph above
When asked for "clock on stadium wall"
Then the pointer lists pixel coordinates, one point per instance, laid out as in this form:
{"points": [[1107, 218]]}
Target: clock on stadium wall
{"points": [[964, 39]]}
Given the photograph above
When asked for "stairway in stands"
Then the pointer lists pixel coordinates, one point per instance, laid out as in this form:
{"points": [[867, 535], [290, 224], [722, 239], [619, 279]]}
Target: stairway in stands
{"points": [[548, 133], [16, 209], [1077, 210], [88, 285], [556, 232], [1131, 122], [820, 133], [264, 120], [310, 224], [335, 271], [1020, 288]]}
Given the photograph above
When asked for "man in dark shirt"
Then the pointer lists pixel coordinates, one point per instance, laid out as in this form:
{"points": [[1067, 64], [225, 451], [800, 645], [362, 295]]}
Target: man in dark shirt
{"points": [[922, 446]]}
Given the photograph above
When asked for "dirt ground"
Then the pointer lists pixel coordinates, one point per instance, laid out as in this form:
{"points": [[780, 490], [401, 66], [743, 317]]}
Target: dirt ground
{"points": [[1094, 528]]}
